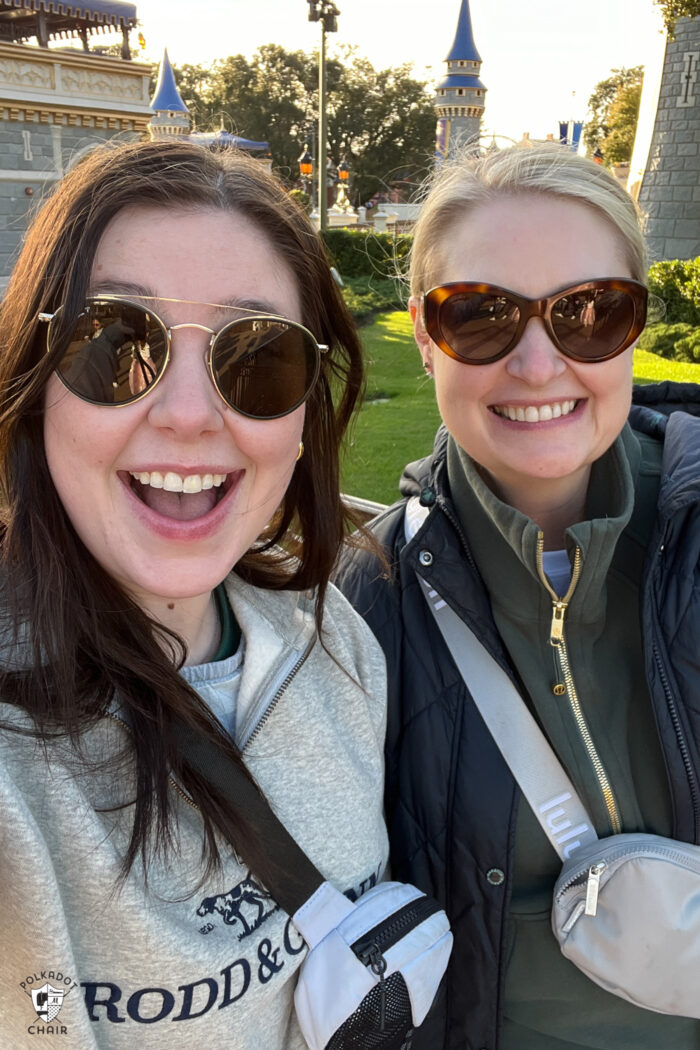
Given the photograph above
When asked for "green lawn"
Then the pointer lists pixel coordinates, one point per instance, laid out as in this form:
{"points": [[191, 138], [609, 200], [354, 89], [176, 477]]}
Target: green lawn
{"points": [[399, 418]]}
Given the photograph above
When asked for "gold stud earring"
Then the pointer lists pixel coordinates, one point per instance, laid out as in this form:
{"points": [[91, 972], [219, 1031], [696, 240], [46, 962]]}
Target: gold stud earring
{"points": [[300, 453]]}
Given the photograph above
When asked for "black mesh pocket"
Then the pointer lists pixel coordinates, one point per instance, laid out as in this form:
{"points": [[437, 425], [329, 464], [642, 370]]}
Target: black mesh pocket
{"points": [[362, 1029]]}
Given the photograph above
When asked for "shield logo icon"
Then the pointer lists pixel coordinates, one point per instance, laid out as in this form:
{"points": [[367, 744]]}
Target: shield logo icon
{"points": [[47, 1001]]}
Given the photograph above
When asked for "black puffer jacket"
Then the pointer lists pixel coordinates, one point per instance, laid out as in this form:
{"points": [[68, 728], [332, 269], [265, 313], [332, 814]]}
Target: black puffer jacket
{"points": [[451, 800]]}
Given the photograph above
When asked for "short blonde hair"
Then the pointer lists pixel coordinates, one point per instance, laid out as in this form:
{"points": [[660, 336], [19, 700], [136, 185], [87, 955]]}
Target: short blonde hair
{"points": [[471, 179]]}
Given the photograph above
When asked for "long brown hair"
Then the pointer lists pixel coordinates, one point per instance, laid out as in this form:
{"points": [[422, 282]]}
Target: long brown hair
{"points": [[85, 642]]}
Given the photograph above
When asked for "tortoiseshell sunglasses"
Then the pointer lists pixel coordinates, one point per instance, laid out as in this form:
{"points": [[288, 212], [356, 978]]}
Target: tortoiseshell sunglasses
{"points": [[588, 322]]}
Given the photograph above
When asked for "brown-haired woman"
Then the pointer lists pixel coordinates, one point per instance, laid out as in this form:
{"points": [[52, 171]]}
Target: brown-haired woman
{"points": [[127, 504]]}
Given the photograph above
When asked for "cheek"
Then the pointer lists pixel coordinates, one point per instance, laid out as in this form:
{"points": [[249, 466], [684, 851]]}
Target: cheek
{"points": [[612, 389], [459, 386], [271, 442]]}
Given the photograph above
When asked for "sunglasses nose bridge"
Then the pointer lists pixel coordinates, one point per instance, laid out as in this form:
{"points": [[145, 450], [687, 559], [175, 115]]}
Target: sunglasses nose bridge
{"points": [[192, 324], [538, 308]]}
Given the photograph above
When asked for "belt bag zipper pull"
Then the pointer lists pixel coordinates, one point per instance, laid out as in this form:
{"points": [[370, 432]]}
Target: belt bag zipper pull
{"points": [[371, 955], [593, 887]]}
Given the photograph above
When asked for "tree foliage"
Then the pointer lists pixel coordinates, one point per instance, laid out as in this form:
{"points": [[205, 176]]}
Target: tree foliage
{"points": [[381, 121], [675, 9], [613, 108]]}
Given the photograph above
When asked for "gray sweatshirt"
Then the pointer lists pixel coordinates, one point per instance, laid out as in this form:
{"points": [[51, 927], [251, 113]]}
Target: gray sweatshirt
{"points": [[166, 965]]}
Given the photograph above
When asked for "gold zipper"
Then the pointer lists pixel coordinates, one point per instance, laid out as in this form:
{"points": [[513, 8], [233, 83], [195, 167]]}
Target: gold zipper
{"points": [[558, 642]]}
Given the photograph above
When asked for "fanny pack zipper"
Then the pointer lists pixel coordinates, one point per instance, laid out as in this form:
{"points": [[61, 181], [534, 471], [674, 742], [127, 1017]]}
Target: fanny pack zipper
{"points": [[370, 948]]}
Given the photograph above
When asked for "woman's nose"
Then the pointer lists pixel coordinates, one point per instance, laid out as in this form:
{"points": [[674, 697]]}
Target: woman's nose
{"points": [[185, 400], [535, 360]]}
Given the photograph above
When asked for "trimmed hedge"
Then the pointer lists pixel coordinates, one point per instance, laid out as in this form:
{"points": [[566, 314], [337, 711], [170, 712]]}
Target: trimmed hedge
{"points": [[675, 342], [367, 296], [361, 253], [677, 282]]}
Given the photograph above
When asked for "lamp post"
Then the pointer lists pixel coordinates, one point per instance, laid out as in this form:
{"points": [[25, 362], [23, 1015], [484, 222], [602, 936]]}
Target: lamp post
{"points": [[325, 12], [342, 201], [306, 168]]}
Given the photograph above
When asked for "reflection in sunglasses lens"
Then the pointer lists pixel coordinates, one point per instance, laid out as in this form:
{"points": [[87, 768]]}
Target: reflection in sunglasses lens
{"points": [[476, 326], [116, 351], [593, 323], [264, 368]]}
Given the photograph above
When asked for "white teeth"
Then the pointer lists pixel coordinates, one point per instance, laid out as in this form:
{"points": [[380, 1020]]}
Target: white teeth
{"points": [[172, 482], [535, 413]]}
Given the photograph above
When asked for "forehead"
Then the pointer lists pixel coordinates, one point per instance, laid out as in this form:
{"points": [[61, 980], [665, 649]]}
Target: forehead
{"points": [[204, 255], [533, 244]]}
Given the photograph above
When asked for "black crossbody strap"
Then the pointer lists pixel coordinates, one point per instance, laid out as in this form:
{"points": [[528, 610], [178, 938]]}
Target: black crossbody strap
{"points": [[294, 877]]}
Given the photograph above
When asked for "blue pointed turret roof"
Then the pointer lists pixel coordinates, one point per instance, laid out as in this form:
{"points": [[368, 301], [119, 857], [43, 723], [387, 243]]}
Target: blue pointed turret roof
{"points": [[166, 96], [463, 46]]}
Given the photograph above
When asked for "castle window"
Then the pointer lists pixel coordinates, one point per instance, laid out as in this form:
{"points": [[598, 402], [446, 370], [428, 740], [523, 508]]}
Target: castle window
{"points": [[460, 91], [461, 63]]}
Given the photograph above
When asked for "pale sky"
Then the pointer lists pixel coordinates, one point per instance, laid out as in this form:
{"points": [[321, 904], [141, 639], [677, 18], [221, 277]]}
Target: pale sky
{"points": [[541, 58]]}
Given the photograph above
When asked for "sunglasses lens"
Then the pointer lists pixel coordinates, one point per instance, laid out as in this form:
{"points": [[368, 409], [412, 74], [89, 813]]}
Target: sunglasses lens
{"points": [[115, 352], [264, 367], [478, 326], [592, 324]]}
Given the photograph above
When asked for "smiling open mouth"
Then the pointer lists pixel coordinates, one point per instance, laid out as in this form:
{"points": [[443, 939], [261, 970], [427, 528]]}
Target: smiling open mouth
{"points": [[180, 497]]}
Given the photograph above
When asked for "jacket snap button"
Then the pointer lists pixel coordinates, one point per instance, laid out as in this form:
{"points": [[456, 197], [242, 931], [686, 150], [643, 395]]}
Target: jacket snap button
{"points": [[425, 558], [495, 877]]}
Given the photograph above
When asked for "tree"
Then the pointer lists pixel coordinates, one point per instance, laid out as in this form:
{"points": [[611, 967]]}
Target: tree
{"points": [[614, 107], [381, 122], [618, 144], [675, 9]]}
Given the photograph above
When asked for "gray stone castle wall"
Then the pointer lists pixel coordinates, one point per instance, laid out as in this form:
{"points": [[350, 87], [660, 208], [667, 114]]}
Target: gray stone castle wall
{"points": [[33, 156], [462, 131], [670, 191]]}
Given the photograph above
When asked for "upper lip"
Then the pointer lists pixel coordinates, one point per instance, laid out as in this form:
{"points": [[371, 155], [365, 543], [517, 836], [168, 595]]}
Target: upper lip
{"points": [[522, 402], [182, 471]]}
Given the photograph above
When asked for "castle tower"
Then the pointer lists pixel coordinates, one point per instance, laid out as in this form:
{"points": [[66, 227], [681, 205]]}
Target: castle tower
{"points": [[58, 103], [460, 98], [670, 189], [170, 112]]}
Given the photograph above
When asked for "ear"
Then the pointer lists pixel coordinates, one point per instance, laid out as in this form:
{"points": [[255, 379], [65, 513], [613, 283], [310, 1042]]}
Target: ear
{"points": [[425, 343]]}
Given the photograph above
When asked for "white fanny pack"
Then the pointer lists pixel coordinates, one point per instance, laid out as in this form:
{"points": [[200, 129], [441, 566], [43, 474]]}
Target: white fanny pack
{"points": [[626, 909]]}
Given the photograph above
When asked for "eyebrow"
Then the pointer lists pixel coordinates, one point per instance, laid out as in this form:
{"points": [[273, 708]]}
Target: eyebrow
{"points": [[139, 291]]}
